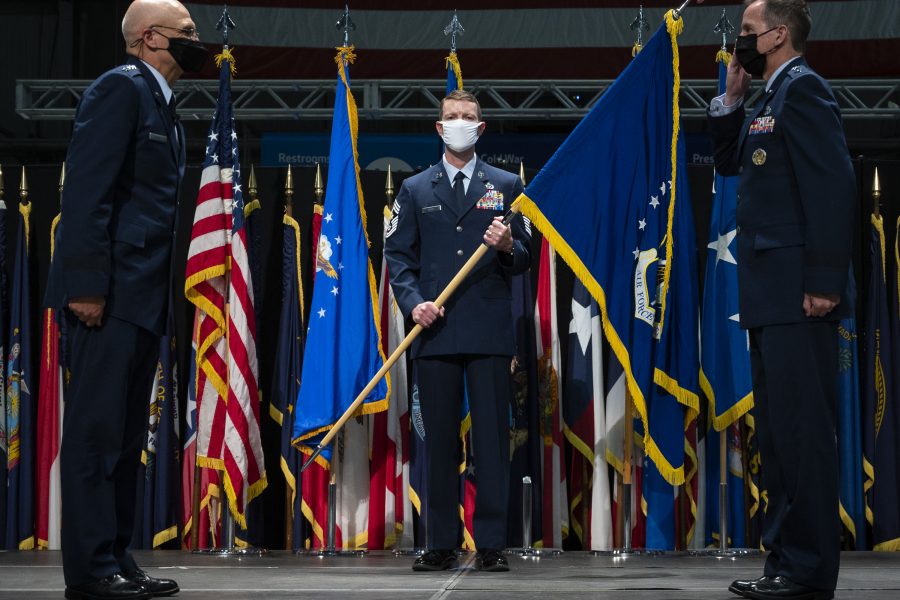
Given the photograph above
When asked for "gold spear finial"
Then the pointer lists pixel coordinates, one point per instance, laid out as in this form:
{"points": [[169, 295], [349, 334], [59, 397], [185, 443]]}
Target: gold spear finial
{"points": [[318, 187], [876, 194], [289, 193], [23, 187], [522, 172], [251, 183], [389, 186]]}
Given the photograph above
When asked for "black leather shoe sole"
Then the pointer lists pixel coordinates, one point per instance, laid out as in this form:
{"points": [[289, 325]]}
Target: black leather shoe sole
{"points": [[76, 594], [165, 591], [445, 564]]}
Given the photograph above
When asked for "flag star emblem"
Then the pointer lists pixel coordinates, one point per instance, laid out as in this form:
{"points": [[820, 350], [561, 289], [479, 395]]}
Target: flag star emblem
{"points": [[328, 218], [670, 184], [321, 312], [662, 188], [721, 247], [237, 187], [642, 224], [215, 158], [470, 470], [334, 290], [234, 135], [340, 266], [636, 253], [654, 201], [338, 240], [581, 324], [214, 137]]}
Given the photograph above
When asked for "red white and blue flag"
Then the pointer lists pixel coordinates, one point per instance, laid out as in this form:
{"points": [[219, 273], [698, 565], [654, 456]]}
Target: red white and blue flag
{"points": [[219, 283]]}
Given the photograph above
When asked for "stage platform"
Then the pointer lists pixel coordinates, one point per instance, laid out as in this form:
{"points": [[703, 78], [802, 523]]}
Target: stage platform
{"points": [[382, 576]]}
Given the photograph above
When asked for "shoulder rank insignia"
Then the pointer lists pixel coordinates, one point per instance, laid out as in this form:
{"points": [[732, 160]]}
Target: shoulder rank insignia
{"points": [[129, 68], [797, 69]]}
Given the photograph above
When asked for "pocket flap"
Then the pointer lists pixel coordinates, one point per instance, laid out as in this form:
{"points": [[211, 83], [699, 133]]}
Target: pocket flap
{"points": [[156, 137], [130, 233], [781, 236]]}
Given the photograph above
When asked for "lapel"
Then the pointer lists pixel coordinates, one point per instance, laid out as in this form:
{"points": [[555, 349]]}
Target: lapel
{"points": [[476, 187], [767, 97], [162, 108], [443, 190]]}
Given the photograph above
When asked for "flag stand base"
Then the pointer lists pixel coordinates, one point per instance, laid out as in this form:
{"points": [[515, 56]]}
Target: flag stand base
{"points": [[408, 551], [228, 537], [725, 552], [533, 552], [626, 552], [331, 553]]}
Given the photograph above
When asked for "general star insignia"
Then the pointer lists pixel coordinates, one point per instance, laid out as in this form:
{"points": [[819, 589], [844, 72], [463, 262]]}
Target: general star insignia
{"points": [[129, 68]]}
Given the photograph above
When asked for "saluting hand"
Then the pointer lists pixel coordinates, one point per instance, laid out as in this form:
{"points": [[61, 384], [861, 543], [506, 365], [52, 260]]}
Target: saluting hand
{"points": [[499, 236], [737, 81], [88, 309], [427, 313]]}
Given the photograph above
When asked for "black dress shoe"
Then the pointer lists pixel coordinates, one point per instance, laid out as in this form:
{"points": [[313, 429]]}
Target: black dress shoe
{"points": [[491, 560], [157, 587], [741, 586], [114, 587], [782, 588], [435, 560]]}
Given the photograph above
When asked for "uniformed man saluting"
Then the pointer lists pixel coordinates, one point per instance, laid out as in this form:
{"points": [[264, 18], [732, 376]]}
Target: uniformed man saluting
{"points": [[795, 220], [439, 219]]}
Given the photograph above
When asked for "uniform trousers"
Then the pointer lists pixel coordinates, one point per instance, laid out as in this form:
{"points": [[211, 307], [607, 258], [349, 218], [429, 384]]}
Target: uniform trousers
{"points": [[489, 388], [104, 423], [795, 370]]}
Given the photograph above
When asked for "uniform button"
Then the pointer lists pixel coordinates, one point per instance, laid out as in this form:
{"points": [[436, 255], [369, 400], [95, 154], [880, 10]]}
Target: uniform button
{"points": [[737, 230], [459, 252], [459, 228]]}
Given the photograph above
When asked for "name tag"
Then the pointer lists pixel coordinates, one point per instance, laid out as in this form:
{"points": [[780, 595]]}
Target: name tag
{"points": [[428, 209], [155, 137]]}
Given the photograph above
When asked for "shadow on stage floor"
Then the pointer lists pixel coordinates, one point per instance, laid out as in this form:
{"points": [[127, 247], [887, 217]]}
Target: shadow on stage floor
{"points": [[382, 576]]}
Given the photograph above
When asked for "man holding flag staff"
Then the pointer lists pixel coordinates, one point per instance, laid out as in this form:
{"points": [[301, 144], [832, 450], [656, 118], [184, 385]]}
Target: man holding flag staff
{"points": [[794, 236], [111, 272], [439, 219]]}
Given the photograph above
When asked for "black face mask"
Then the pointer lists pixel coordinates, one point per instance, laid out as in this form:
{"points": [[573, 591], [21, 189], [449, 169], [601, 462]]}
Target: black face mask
{"points": [[750, 58], [191, 56]]}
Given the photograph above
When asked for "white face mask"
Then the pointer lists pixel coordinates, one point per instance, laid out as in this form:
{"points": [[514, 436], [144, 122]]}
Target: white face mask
{"points": [[459, 134]]}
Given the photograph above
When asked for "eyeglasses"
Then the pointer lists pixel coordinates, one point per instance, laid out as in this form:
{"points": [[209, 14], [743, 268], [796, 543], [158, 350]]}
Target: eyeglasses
{"points": [[188, 32]]}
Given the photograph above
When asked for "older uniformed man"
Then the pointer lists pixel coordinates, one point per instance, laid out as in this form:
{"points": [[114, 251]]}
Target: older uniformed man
{"points": [[111, 275], [439, 219], [795, 218]]}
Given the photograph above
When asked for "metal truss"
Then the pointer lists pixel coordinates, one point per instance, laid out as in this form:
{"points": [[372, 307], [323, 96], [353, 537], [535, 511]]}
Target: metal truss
{"points": [[512, 100]]}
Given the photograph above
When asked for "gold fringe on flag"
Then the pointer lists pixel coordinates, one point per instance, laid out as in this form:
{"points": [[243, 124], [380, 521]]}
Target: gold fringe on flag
{"points": [[635, 49]]}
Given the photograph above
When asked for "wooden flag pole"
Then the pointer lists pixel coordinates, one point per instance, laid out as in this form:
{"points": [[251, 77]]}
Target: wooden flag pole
{"points": [[407, 341]]}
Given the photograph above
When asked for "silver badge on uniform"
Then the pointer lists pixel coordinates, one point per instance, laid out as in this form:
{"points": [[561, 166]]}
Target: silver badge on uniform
{"points": [[395, 217]]}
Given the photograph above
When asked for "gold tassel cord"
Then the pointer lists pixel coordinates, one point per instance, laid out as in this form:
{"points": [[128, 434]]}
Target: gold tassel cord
{"points": [[227, 55], [724, 56], [453, 59]]}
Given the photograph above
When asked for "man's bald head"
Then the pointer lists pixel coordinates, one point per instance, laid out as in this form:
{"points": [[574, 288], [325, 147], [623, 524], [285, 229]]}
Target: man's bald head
{"points": [[142, 14]]}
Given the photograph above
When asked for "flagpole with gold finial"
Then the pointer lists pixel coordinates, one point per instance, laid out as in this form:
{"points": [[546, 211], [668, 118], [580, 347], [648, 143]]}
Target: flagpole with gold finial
{"points": [[289, 193], [876, 195], [25, 205]]}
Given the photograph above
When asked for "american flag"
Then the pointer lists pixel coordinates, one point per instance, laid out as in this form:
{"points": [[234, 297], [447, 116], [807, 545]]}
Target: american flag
{"points": [[219, 283]]}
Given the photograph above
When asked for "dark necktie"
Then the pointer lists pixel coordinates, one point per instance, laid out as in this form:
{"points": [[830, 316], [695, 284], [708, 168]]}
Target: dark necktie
{"points": [[459, 187]]}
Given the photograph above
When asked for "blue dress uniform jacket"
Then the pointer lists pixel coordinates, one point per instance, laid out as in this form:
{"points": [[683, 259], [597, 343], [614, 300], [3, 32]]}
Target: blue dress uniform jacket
{"points": [[795, 208], [431, 238], [119, 205]]}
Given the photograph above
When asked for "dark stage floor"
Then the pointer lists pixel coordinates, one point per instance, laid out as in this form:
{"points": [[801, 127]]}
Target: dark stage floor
{"points": [[380, 576]]}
